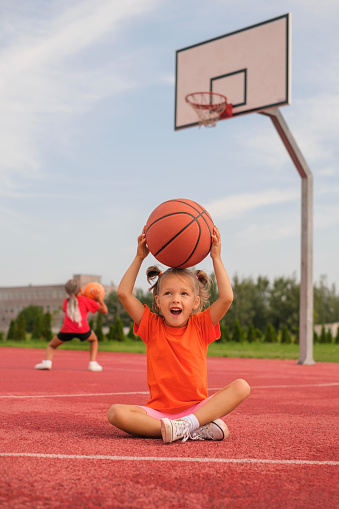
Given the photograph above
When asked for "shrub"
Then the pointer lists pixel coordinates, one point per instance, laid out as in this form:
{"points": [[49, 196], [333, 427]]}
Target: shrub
{"points": [[270, 334], [224, 334], [98, 328], [119, 331], [131, 334], [285, 335], [236, 335], [251, 334], [12, 331]]}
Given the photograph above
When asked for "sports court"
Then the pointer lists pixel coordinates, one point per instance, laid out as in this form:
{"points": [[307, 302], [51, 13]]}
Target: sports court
{"points": [[58, 449]]}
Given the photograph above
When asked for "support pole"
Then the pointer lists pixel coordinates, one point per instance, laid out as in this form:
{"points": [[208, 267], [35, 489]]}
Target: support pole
{"points": [[306, 278]]}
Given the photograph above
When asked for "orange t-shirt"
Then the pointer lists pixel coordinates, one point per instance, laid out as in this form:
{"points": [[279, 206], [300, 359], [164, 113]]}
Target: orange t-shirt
{"points": [[176, 360]]}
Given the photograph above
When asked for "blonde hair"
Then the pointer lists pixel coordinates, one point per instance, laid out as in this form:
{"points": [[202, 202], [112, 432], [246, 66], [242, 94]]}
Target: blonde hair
{"points": [[72, 287], [199, 279]]}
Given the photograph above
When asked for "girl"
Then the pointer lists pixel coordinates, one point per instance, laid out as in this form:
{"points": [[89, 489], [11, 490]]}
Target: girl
{"points": [[177, 335], [76, 308]]}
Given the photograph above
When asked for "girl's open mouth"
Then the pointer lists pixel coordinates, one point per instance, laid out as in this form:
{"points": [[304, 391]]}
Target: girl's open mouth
{"points": [[176, 311]]}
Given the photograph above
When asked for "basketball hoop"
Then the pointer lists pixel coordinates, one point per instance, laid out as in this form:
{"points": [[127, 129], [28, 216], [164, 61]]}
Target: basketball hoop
{"points": [[209, 106]]}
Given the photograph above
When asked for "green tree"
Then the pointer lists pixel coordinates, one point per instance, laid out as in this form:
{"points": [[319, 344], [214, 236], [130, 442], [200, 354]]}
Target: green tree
{"points": [[47, 326], [260, 303], [214, 294], [2, 335], [30, 314], [131, 334], [119, 331], [37, 327], [259, 335], [21, 328], [329, 337], [145, 297], [323, 335], [12, 331], [284, 303], [326, 302], [98, 328], [337, 337], [285, 335], [251, 334], [270, 334], [111, 331], [224, 333], [236, 335], [241, 309], [296, 334], [116, 309]]}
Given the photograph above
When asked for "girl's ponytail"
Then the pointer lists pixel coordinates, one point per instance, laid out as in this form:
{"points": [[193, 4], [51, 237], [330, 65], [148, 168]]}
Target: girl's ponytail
{"points": [[72, 287]]}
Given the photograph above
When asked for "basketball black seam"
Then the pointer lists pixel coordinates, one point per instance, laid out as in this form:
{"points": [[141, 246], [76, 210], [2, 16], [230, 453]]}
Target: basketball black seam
{"points": [[179, 233], [201, 214], [168, 215], [197, 210]]}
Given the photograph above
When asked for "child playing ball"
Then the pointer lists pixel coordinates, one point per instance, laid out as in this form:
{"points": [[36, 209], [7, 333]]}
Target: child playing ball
{"points": [[177, 335], [76, 308]]}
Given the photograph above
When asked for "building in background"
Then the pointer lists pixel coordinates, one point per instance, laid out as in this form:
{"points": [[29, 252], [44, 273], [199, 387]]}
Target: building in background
{"points": [[49, 297]]}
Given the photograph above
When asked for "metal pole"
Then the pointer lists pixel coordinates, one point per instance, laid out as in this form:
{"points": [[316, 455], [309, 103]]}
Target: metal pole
{"points": [[306, 278]]}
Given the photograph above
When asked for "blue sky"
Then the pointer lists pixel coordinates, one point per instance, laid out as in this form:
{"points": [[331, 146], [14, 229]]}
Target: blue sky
{"points": [[88, 147]]}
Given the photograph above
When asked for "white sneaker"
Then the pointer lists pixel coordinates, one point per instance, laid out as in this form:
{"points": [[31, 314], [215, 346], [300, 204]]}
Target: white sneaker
{"points": [[94, 366], [172, 430], [44, 365], [214, 430]]}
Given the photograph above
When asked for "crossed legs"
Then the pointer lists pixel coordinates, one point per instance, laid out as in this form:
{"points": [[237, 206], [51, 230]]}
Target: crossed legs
{"points": [[135, 421]]}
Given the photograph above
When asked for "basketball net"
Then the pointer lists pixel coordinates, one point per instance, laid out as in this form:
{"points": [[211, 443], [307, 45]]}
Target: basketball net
{"points": [[209, 106]]}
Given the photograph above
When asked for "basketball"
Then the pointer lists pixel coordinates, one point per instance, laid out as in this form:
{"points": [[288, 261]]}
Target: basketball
{"points": [[94, 286], [179, 233]]}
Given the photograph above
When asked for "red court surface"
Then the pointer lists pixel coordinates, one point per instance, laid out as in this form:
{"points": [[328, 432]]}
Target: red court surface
{"points": [[57, 448]]}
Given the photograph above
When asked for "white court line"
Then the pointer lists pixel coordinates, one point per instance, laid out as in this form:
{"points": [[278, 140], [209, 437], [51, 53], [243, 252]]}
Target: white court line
{"points": [[329, 384], [75, 395], [146, 392], [178, 459]]}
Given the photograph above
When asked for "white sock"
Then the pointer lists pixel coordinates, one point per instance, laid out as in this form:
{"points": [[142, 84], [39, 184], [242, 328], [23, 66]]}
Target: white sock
{"points": [[193, 422]]}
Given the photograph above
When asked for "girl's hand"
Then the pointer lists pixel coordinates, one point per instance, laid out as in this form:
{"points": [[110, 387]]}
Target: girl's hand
{"points": [[216, 244], [96, 295], [142, 250]]}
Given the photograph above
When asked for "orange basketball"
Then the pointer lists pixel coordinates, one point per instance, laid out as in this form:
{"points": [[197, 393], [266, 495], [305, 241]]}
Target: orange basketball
{"points": [[179, 233], [94, 286]]}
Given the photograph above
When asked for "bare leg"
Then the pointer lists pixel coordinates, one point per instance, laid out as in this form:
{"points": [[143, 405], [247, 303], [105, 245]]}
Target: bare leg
{"points": [[134, 420], [93, 346], [52, 346], [223, 402]]}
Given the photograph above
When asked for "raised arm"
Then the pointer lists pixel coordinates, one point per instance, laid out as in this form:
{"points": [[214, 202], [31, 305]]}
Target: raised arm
{"points": [[133, 306], [219, 308]]}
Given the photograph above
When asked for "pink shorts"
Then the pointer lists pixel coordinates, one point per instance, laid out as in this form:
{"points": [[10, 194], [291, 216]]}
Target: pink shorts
{"points": [[157, 414]]}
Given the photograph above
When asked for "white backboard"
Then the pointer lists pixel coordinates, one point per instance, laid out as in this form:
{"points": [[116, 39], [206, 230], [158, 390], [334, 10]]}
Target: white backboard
{"points": [[251, 67]]}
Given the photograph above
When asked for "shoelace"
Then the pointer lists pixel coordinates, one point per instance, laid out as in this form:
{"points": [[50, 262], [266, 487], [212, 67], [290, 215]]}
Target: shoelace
{"points": [[200, 434], [181, 429]]}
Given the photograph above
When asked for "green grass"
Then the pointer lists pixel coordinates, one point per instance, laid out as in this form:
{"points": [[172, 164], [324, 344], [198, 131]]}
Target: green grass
{"points": [[321, 352]]}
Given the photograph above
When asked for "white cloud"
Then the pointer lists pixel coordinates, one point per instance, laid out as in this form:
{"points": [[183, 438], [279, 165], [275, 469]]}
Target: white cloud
{"points": [[317, 128], [39, 86], [233, 206]]}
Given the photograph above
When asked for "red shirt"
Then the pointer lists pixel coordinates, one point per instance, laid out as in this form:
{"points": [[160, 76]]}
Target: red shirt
{"points": [[176, 360], [86, 305]]}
